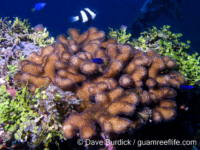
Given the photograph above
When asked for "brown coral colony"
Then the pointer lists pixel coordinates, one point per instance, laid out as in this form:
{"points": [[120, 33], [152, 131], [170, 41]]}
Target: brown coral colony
{"points": [[131, 89]]}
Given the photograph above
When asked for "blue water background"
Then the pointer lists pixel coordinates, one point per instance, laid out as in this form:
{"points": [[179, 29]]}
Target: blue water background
{"points": [[111, 13]]}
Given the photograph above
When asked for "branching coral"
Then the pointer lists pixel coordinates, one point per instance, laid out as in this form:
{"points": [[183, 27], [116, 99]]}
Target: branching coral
{"points": [[132, 88]]}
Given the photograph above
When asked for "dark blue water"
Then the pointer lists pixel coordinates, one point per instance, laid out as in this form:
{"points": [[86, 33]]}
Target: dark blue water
{"points": [[55, 15]]}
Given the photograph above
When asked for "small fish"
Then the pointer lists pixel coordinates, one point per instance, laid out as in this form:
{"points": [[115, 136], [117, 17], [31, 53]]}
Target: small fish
{"points": [[98, 61], [186, 87], [38, 6], [85, 15]]}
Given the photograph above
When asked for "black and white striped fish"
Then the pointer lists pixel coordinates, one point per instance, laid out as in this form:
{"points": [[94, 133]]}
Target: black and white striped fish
{"points": [[84, 16]]}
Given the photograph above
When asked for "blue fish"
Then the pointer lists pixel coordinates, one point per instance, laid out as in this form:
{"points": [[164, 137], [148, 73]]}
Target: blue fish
{"points": [[38, 6], [98, 61], [186, 87]]}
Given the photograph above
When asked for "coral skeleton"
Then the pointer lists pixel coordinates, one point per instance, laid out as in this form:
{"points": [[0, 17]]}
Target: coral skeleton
{"points": [[130, 89]]}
